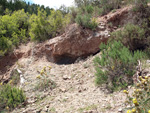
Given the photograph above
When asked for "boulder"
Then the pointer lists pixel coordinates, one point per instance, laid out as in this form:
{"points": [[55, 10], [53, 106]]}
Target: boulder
{"points": [[76, 42]]}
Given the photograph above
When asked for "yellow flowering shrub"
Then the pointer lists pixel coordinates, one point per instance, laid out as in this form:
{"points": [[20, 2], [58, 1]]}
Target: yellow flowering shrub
{"points": [[140, 98], [44, 82]]}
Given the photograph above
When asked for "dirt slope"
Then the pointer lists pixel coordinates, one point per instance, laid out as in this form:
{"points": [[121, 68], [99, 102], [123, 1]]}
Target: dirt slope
{"points": [[75, 92]]}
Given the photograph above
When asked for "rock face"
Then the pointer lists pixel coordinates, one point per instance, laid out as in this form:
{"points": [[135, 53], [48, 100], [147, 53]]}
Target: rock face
{"points": [[119, 17], [76, 42]]}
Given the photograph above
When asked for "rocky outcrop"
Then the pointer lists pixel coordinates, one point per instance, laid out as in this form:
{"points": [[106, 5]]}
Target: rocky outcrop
{"points": [[119, 17], [76, 42]]}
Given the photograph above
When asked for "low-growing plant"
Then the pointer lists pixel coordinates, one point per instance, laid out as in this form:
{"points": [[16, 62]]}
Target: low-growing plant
{"points": [[15, 77], [44, 82], [11, 97], [116, 65], [139, 100], [87, 108]]}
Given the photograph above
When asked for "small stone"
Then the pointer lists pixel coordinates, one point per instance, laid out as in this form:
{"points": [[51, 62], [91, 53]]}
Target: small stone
{"points": [[103, 105], [90, 111], [63, 90], [101, 27], [66, 97], [85, 89], [31, 101], [129, 87], [19, 71], [65, 77], [128, 106], [115, 27], [38, 111], [148, 61], [45, 109], [79, 90], [120, 110], [47, 106]]}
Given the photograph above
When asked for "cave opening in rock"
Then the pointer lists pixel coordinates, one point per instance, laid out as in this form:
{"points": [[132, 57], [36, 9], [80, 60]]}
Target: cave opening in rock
{"points": [[68, 59], [65, 59]]}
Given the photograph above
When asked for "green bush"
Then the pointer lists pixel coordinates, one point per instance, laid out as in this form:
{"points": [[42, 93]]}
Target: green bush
{"points": [[140, 5], [108, 5], [116, 65], [73, 13], [5, 45], [89, 9], [86, 21], [10, 97], [13, 30], [43, 27], [39, 27], [84, 17], [132, 36]]}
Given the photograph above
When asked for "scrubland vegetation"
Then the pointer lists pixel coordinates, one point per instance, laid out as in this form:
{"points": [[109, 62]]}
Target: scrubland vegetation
{"points": [[125, 47], [118, 61], [18, 26], [11, 97]]}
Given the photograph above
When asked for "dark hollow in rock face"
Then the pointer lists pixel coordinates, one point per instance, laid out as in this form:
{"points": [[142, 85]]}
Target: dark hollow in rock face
{"points": [[65, 59]]}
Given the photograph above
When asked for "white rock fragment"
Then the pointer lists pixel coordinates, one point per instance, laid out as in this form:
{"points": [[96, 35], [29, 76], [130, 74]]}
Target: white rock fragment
{"points": [[19, 71], [119, 110]]}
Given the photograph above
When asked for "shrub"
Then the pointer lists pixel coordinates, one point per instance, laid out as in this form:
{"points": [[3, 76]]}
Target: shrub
{"points": [[43, 27], [140, 5], [86, 21], [83, 3], [59, 21], [21, 19], [118, 65], [73, 12], [92, 8], [97, 11], [108, 5], [13, 30], [39, 26], [89, 9], [5, 45], [140, 98], [10, 97], [132, 36]]}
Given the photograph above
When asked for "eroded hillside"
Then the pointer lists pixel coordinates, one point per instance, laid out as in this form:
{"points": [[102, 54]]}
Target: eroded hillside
{"points": [[66, 62]]}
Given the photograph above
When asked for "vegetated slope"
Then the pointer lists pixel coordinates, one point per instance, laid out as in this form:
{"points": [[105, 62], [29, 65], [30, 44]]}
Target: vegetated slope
{"points": [[75, 90]]}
